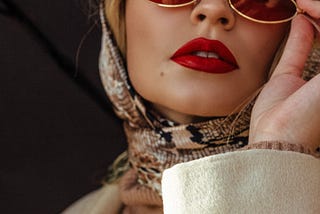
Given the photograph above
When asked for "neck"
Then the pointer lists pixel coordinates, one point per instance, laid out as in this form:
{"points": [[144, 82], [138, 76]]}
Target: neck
{"points": [[178, 117]]}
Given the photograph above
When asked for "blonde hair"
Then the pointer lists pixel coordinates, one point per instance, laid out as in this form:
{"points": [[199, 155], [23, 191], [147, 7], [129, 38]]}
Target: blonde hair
{"points": [[115, 13]]}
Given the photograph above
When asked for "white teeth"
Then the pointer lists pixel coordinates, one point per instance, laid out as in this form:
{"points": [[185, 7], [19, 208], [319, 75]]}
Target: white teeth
{"points": [[205, 54], [201, 54], [213, 55]]}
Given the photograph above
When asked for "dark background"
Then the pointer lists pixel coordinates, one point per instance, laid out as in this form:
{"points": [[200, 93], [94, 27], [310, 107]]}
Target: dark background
{"points": [[58, 133]]}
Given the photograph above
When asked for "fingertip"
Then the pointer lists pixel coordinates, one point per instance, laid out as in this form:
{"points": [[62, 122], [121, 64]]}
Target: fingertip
{"points": [[311, 7]]}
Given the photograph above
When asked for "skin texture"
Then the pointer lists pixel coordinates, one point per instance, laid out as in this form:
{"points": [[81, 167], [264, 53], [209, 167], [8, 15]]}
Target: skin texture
{"points": [[182, 94], [287, 107]]}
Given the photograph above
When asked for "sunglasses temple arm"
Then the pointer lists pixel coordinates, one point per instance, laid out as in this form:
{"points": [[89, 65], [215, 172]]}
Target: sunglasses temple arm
{"points": [[312, 21]]}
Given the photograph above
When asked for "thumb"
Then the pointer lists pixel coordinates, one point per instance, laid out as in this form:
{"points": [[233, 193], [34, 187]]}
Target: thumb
{"points": [[297, 49], [311, 7]]}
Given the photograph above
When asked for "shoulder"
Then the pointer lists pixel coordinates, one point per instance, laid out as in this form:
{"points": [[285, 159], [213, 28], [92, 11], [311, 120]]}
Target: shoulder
{"points": [[104, 200]]}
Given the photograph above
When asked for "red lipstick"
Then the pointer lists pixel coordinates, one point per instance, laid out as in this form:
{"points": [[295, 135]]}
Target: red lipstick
{"points": [[205, 55]]}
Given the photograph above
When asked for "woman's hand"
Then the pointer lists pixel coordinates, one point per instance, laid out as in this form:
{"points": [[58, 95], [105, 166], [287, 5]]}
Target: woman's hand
{"points": [[288, 108]]}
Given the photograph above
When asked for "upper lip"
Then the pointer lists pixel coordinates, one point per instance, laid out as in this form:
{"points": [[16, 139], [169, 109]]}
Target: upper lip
{"points": [[201, 46]]}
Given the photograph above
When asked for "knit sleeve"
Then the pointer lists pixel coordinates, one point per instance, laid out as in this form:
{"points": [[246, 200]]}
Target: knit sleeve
{"points": [[281, 146], [248, 181]]}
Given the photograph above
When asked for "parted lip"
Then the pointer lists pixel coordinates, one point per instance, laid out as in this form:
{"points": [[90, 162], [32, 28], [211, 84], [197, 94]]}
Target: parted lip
{"points": [[205, 55]]}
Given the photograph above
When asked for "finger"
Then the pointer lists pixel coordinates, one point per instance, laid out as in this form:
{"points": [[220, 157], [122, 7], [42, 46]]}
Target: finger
{"points": [[312, 7], [297, 48]]}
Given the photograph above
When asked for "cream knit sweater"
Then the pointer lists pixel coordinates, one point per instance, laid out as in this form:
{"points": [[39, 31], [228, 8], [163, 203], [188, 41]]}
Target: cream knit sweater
{"points": [[250, 181]]}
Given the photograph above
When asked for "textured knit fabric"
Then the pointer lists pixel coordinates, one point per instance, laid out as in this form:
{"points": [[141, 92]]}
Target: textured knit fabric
{"points": [[251, 181]]}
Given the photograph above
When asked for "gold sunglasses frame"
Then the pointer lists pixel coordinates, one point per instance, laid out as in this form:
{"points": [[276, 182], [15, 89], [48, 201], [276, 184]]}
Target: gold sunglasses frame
{"points": [[175, 5], [298, 11]]}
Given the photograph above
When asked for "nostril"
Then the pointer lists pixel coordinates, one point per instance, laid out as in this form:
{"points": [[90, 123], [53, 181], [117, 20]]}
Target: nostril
{"points": [[201, 17], [224, 21]]}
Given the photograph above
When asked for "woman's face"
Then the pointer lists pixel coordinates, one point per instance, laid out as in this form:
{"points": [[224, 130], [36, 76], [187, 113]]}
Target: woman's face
{"points": [[188, 88]]}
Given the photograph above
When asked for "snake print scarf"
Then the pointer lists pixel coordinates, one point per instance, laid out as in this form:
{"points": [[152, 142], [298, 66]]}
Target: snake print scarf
{"points": [[156, 143]]}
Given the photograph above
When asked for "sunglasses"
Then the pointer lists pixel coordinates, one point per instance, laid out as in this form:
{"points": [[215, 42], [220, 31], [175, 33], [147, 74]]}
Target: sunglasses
{"points": [[261, 11]]}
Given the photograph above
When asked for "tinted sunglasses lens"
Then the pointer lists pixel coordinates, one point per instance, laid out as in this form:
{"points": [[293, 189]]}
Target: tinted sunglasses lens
{"points": [[172, 2], [265, 10]]}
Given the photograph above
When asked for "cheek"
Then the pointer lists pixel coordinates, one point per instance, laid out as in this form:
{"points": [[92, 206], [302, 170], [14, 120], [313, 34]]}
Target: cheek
{"points": [[140, 43], [257, 46], [150, 44], [262, 42]]}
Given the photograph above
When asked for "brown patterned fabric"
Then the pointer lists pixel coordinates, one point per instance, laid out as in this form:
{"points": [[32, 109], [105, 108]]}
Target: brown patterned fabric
{"points": [[155, 143]]}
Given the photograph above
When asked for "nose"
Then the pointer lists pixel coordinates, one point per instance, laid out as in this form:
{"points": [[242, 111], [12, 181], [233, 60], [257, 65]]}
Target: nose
{"points": [[214, 12]]}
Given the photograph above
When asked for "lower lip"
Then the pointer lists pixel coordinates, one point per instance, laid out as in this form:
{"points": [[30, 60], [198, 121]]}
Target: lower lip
{"points": [[208, 65]]}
